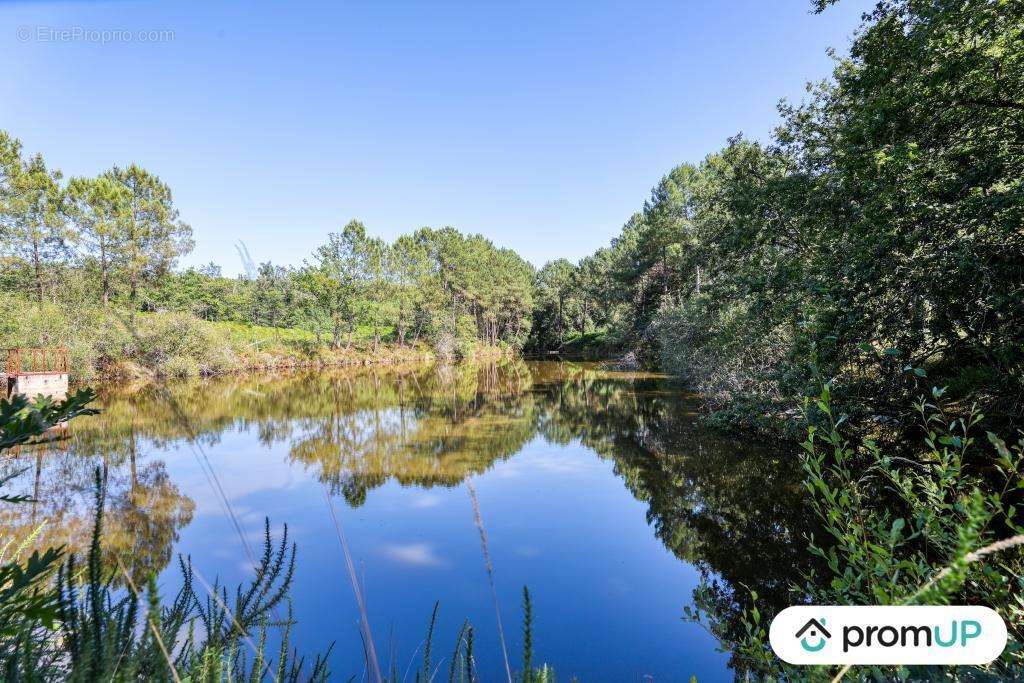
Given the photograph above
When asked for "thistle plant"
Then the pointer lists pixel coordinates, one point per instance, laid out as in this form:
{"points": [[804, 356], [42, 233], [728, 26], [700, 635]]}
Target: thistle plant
{"points": [[68, 618], [64, 619]]}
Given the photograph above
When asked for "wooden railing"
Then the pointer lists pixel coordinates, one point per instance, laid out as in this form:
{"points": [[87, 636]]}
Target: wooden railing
{"points": [[26, 361]]}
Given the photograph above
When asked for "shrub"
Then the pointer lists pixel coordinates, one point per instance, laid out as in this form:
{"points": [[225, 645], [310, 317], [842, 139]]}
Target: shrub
{"points": [[449, 347], [170, 344], [934, 526], [741, 368], [179, 344], [79, 329]]}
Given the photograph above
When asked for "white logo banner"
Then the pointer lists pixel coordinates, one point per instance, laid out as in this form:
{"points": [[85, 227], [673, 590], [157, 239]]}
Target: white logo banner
{"points": [[832, 634]]}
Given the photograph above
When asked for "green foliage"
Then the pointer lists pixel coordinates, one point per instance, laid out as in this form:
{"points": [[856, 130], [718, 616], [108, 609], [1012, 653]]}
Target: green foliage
{"points": [[914, 530], [115, 240], [556, 308], [24, 606], [928, 527], [23, 421], [150, 235], [33, 224], [178, 345], [478, 292], [879, 238], [885, 210], [66, 619], [28, 609], [99, 207], [527, 637], [169, 344], [574, 302]]}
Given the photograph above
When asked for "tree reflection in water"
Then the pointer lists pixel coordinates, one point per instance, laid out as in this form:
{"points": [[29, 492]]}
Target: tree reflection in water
{"points": [[726, 506]]}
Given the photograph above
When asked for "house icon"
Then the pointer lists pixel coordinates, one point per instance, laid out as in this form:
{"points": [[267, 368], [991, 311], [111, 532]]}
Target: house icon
{"points": [[815, 630]]}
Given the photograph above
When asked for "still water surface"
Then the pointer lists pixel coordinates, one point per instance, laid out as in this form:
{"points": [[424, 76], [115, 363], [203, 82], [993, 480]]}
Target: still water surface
{"points": [[597, 490]]}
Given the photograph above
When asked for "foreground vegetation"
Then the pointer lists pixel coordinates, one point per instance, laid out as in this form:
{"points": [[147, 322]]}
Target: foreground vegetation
{"points": [[61, 619], [926, 530]]}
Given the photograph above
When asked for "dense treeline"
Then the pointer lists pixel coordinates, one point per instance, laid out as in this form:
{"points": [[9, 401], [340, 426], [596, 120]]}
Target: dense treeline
{"points": [[876, 240], [878, 235], [113, 242]]}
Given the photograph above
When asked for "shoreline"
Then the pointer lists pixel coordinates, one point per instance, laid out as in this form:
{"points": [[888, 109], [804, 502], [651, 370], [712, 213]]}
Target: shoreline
{"points": [[125, 370]]}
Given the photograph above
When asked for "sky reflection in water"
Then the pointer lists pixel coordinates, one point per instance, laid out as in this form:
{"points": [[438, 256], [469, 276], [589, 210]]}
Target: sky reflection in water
{"points": [[597, 490]]}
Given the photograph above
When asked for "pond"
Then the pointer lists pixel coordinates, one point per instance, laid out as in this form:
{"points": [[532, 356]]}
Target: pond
{"points": [[598, 490]]}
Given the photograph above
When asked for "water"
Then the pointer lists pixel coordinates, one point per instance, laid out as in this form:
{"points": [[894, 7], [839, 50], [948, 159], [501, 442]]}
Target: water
{"points": [[597, 490]]}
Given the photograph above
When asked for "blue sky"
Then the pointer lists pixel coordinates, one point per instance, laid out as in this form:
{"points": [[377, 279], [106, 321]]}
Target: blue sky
{"points": [[541, 125]]}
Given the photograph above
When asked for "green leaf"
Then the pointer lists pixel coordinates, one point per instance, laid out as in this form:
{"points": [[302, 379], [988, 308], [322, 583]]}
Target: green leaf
{"points": [[897, 527]]}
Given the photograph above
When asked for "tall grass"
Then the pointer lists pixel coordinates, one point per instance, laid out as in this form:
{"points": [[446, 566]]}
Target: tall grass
{"points": [[91, 630], [66, 618], [490, 574]]}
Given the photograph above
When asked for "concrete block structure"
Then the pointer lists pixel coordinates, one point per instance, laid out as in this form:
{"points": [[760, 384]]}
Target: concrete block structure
{"points": [[31, 372]]}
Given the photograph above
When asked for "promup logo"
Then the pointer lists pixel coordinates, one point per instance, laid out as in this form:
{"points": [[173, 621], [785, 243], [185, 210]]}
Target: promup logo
{"points": [[816, 632], [887, 635]]}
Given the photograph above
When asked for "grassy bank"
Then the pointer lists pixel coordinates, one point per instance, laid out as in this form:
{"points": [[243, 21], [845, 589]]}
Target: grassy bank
{"points": [[114, 344]]}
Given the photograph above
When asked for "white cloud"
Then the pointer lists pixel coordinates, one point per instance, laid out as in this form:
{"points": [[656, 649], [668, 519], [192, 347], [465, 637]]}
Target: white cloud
{"points": [[427, 500], [413, 554]]}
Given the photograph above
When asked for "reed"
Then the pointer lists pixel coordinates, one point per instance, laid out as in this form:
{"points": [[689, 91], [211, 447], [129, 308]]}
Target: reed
{"points": [[65, 618], [425, 672], [490, 574], [527, 637]]}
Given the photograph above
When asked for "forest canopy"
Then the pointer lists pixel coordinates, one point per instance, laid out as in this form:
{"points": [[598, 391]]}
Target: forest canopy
{"points": [[876, 239], [115, 240]]}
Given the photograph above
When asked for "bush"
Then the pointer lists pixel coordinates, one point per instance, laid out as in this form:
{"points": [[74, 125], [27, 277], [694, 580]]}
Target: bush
{"points": [[169, 344], [737, 365], [179, 367], [930, 527], [179, 344], [79, 329]]}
